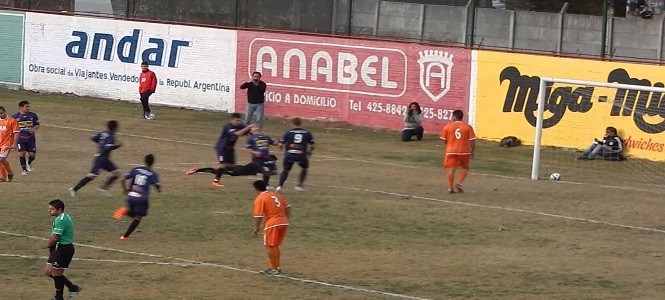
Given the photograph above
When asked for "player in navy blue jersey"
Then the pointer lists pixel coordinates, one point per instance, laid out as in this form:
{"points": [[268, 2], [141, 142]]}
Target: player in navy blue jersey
{"points": [[140, 180], [258, 146], [28, 122], [298, 144], [106, 143], [225, 148]]}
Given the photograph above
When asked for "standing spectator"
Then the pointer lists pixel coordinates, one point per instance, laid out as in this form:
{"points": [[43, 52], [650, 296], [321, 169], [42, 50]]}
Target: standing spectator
{"points": [[9, 134], [413, 123], [147, 87], [256, 90], [28, 122]]}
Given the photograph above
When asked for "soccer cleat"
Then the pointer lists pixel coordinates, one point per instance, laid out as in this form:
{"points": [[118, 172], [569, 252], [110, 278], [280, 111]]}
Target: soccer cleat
{"points": [[28, 167], [10, 177], [279, 188], [105, 192], [450, 191], [151, 116], [72, 192], [74, 291], [269, 188], [120, 212], [191, 171], [217, 184], [24, 172], [271, 271], [458, 188], [125, 238], [299, 188]]}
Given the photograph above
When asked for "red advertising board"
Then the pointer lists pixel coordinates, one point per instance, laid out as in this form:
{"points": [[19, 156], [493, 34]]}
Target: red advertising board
{"points": [[369, 83]]}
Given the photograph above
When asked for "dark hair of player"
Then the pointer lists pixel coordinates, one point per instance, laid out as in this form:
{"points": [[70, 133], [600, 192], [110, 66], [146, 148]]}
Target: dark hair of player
{"points": [[260, 185], [57, 204], [296, 121], [458, 115], [256, 73], [149, 160], [112, 125], [236, 116], [23, 103], [2, 108], [145, 63]]}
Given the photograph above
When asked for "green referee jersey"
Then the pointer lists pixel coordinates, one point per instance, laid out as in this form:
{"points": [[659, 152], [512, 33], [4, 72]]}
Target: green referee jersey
{"points": [[64, 227]]}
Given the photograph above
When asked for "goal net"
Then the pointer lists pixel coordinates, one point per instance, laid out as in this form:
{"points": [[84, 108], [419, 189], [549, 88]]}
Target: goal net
{"points": [[573, 119]]}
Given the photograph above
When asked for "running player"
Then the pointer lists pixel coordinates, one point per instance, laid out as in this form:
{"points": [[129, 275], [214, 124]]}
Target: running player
{"points": [[298, 144], [106, 143], [9, 133], [28, 122], [140, 179], [258, 146], [460, 143], [275, 210]]}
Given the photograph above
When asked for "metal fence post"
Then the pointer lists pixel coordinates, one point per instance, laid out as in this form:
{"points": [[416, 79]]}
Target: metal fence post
{"points": [[603, 31], [421, 30], [333, 23], [377, 16], [350, 18], [562, 16], [511, 33]]}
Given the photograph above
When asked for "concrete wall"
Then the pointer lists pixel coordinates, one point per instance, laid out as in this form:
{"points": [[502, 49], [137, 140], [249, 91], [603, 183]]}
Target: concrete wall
{"points": [[526, 30]]}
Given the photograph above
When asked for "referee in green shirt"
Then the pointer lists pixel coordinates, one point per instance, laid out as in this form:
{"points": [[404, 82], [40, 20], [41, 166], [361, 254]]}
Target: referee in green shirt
{"points": [[61, 249]]}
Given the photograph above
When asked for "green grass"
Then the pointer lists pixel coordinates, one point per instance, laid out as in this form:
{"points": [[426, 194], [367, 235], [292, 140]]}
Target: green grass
{"points": [[408, 238]]}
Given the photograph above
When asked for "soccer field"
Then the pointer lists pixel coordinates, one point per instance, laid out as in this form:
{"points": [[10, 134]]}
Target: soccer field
{"points": [[375, 221]]}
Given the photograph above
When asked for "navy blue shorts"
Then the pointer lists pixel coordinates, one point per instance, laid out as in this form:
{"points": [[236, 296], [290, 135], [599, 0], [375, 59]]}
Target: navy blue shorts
{"points": [[137, 207], [29, 145], [226, 155], [102, 163], [290, 159], [266, 166]]}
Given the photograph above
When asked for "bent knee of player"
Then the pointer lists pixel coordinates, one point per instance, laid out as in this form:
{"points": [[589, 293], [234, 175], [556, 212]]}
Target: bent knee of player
{"points": [[48, 270], [57, 272], [92, 175]]}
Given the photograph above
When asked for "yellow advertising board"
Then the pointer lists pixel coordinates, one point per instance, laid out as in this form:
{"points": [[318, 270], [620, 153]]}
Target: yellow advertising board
{"points": [[507, 100]]}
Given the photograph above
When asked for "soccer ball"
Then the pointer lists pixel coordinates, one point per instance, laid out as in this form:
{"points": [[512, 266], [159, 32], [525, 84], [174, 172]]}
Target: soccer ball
{"points": [[555, 177]]}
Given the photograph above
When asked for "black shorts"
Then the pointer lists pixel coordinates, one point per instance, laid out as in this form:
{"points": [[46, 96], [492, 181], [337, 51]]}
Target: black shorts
{"points": [[61, 256], [137, 207]]}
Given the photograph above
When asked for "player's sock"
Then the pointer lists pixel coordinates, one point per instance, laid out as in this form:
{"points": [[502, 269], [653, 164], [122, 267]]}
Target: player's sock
{"points": [[218, 173], [282, 177], [109, 182], [8, 168], [266, 179], [278, 256], [462, 175], [67, 283], [271, 257], [82, 183], [59, 286], [3, 173], [132, 227], [451, 180], [31, 159], [205, 170], [303, 175], [22, 161]]}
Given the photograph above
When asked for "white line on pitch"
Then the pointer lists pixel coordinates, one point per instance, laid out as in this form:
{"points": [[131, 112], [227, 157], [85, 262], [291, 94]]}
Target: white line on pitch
{"points": [[113, 261], [649, 229], [304, 280], [656, 191]]}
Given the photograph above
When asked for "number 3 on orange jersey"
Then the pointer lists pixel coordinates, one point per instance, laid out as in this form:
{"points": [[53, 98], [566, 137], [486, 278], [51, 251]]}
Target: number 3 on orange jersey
{"points": [[277, 203]]}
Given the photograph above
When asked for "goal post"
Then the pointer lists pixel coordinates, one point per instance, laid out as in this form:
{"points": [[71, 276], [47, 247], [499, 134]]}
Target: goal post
{"points": [[543, 100]]}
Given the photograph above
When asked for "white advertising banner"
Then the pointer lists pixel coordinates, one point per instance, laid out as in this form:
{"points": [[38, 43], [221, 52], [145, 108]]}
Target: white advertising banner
{"points": [[195, 66]]}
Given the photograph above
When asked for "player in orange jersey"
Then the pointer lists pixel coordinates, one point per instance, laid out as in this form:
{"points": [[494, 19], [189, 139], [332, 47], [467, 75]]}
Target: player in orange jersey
{"points": [[460, 142], [9, 132], [274, 208]]}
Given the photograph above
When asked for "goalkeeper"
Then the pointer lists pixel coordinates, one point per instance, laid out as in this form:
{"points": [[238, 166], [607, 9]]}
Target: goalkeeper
{"points": [[610, 147], [249, 169]]}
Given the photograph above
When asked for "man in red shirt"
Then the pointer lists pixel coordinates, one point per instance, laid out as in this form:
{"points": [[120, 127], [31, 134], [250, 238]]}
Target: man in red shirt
{"points": [[147, 87]]}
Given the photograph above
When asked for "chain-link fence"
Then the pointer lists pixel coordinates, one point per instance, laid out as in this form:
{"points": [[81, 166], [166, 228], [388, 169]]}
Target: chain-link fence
{"points": [[606, 28]]}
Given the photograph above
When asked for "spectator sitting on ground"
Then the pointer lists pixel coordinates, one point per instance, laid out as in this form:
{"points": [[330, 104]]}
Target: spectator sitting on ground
{"points": [[413, 123], [609, 148]]}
